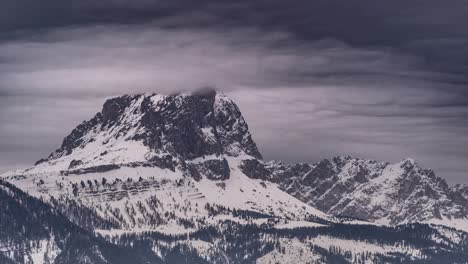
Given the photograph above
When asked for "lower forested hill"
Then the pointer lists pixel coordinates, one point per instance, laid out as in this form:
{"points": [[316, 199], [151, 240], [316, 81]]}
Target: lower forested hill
{"points": [[32, 231]]}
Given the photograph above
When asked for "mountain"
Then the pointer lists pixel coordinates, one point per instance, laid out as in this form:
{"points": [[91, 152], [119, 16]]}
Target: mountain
{"points": [[378, 192], [181, 177], [144, 156], [165, 131]]}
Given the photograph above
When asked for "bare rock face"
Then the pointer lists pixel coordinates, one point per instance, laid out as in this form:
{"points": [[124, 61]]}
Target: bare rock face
{"points": [[195, 126], [255, 169], [211, 169], [114, 108]]}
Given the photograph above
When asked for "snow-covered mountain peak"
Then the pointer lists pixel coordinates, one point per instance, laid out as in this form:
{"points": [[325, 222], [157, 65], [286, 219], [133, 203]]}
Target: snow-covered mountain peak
{"points": [[408, 161], [154, 129]]}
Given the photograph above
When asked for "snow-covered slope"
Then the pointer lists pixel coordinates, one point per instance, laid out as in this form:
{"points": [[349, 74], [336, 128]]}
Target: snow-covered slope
{"points": [[33, 232], [312, 251], [151, 198]]}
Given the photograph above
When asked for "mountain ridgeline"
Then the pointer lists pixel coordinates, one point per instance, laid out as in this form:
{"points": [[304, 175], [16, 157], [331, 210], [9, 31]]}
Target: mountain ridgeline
{"points": [[372, 191], [178, 179]]}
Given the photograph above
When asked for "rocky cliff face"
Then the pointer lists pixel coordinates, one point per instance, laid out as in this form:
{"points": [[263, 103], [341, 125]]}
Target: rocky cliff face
{"points": [[190, 131], [372, 191]]}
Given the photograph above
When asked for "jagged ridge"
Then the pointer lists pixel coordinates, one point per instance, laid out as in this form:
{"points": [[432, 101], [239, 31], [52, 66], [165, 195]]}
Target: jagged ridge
{"points": [[370, 190]]}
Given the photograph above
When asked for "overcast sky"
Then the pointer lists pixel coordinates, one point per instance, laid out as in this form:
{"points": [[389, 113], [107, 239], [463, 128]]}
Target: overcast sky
{"points": [[314, 79]]}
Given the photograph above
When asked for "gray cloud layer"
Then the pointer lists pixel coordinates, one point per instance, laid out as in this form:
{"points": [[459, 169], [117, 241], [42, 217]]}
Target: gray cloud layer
{"points": [[383, 81]]}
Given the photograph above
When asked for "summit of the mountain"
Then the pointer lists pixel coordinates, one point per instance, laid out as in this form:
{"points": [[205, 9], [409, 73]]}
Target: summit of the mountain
{"points": [[158, 130]]}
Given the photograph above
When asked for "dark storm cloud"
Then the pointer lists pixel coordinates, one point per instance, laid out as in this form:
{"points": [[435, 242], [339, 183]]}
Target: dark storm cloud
{"points": [[433, 30], [374, 79]]}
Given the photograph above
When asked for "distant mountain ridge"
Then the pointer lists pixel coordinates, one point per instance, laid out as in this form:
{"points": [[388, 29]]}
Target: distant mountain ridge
{"points": [[374, 191]]}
